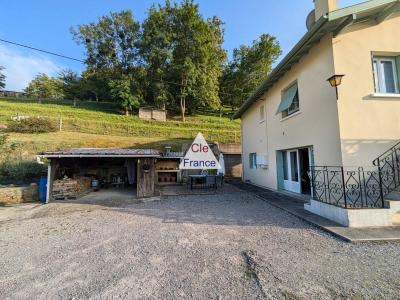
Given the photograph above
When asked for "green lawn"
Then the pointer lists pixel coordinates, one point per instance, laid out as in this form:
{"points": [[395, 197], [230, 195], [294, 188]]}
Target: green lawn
{"points": [[103, 119]]}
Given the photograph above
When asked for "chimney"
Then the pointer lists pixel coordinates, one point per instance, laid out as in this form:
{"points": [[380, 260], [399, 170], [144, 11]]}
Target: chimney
{"points": [[323, 7]]}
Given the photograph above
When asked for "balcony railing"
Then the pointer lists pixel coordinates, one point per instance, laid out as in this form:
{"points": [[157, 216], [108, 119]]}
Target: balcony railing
{"points": [[347, 187]]}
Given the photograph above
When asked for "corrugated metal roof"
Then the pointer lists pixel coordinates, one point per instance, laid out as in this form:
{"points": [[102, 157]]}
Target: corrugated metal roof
{"points": [[332, 22], [103, 152]]}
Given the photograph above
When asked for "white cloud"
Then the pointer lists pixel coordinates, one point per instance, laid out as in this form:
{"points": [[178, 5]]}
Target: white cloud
{"points": [[21, 67]]}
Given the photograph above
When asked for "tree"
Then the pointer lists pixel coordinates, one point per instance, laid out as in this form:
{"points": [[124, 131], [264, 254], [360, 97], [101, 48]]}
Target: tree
{"points": [[156, 46], [45, 87], [71, 84], [126, 92], [197, 57], [111, 43], [248, 68], [2, 78]]}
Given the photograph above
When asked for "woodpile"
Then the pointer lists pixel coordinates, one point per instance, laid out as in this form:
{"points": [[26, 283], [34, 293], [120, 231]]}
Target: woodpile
{"points": [[69, 188]]}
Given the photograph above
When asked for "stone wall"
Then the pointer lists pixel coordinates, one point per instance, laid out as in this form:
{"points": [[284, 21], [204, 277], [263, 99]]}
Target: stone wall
{"points": [[20, 194]]}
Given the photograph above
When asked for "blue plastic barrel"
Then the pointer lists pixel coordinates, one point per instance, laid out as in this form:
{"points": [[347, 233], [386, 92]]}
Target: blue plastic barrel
{"points": [[42, 189]]}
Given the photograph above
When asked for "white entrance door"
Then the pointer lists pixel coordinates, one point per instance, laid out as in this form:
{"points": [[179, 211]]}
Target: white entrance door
{"points": [[291, 174]]}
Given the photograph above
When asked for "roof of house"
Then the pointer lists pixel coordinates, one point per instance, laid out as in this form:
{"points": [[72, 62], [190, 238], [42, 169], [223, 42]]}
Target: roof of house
{"points": [[102, 152], [333, 22]]}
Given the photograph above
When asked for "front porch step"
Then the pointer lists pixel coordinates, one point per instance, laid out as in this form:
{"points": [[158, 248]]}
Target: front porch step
{"points": [[393, 196]]}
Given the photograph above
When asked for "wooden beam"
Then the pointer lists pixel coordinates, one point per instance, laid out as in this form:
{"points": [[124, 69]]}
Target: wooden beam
{"points": [[388, 12], [51, 173], [347, 22]]}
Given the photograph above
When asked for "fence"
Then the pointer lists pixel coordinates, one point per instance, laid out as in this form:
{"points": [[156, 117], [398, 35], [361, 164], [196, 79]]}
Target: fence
{"points": [[347, 187]]}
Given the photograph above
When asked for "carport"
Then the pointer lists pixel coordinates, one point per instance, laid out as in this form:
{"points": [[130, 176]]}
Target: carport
{"points": [[132, 169]]}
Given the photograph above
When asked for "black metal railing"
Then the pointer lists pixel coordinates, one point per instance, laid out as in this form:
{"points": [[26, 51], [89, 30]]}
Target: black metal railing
{"points": [[358, 187], [388, 165], [347, 187]]}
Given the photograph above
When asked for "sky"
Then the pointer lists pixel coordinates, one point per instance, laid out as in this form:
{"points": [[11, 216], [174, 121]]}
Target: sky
{"points": [[46, 24]]}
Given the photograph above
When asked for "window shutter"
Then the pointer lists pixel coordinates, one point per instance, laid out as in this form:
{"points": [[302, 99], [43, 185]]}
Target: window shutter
{"points": [[287, 98], [398, 73]]}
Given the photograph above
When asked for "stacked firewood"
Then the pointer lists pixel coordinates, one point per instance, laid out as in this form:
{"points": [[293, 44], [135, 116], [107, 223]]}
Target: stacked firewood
{"points": [[68, 188]]}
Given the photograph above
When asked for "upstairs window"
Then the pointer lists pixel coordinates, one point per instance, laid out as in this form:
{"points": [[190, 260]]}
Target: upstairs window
{"points": [[294, 107], [386, 74], [290, 101], [253, 160]]}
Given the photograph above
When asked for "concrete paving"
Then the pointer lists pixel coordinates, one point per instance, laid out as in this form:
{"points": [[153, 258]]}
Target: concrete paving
{"points": [[295, 206]]}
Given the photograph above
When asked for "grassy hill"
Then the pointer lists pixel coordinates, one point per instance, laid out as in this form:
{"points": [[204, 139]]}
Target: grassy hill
{"points": [[94, 124]]}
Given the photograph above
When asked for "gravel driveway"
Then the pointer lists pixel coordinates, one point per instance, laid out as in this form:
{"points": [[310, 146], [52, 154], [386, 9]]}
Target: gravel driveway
{"points": [[225, 246]]}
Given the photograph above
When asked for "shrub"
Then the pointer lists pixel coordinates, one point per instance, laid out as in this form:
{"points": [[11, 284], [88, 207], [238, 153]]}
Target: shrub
{"points": [[24, 171], [32, 125]]}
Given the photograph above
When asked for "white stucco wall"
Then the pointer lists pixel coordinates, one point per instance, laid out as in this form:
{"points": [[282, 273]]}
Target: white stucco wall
{"points": [[368, 125], [315, 125]]}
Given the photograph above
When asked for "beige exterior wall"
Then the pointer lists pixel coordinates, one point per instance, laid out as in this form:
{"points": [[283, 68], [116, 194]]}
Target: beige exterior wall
{"points": [[368, 125], [315, 125]]}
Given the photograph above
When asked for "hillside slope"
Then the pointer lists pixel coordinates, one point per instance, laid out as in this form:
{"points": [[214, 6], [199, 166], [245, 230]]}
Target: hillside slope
{"points": [[93, 124]]}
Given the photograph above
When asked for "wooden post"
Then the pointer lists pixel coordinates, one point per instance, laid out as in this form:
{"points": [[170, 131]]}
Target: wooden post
{"points": [[51, 173], [145, 177], [60, 124]]}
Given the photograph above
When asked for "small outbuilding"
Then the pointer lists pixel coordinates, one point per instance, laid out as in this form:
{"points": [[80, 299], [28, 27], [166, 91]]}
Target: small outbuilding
{"points": [[72, 172]]}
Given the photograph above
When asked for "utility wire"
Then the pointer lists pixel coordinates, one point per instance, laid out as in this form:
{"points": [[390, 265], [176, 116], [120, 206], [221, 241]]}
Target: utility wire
{"points": [[44, 51], [82, 61]]}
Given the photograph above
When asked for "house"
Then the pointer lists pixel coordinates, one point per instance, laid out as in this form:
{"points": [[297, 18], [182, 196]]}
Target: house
{"points": [[337, 144]]}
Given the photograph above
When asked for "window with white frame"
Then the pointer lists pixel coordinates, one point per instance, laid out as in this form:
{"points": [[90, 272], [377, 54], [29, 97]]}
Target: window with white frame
{"points": [[262, 113], [386, 75], [253, 160]]}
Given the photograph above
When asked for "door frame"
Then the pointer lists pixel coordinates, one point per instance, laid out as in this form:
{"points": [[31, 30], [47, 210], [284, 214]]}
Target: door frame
{"points": [[280, 166]]}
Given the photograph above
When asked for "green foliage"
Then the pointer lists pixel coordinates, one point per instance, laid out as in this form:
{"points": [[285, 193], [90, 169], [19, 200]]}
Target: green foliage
{"points": [[2, 78], [45, 87], [33, 125], [249, 67], [4, 147], [197, 58], [25, 171], [111, 42], [173, 60], [71, 84], [125, 91]]}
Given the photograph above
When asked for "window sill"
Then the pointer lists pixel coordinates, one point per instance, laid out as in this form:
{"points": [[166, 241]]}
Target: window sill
{"points": [[290, 116], [382, 95]]}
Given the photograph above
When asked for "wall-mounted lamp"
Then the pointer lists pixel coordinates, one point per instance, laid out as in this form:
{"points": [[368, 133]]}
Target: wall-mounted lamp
{"points": [[335, 81]]}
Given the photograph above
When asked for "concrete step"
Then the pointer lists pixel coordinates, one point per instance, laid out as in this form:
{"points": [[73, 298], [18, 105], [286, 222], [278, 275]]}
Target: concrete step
{"points": [[393, 196]]}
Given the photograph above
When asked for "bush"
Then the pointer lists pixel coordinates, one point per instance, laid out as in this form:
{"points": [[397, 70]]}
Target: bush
{"points": [[33, 125], [24, 171]]}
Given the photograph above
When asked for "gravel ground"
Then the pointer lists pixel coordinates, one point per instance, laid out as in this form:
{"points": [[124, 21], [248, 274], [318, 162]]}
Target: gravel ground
{"points": [[226, 246]]}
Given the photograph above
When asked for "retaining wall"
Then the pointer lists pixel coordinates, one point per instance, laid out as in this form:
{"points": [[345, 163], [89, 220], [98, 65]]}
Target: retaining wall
{"points": [[20, 194]]}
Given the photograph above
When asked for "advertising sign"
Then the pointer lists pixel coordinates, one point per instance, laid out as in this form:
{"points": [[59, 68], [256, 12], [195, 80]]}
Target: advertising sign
{"points": [[199, 156]]}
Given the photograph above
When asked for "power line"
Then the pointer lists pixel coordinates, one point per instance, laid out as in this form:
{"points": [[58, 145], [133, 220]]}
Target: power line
{"points": [[40, 50], [82, 61]]}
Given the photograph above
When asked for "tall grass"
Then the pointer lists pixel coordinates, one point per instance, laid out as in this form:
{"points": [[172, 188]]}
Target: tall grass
{"points": [[103, 118]]}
